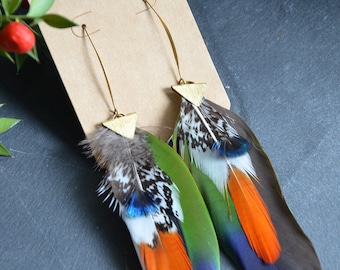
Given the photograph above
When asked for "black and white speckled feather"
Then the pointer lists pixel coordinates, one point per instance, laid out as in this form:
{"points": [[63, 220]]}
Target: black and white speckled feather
{"points": [[211, 136], [132, 178]]}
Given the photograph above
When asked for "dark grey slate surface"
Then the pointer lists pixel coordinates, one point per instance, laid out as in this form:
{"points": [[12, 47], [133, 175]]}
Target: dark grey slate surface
{"points": [[280, 63]]}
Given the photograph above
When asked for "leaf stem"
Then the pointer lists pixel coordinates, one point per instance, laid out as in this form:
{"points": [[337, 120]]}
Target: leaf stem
{"points": [[17, 17]]}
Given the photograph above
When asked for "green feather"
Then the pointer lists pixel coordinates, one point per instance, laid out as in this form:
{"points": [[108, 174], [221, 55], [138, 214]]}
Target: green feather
{"points": [[216, 203], [197, 226], [223, 213], [222, 210]]}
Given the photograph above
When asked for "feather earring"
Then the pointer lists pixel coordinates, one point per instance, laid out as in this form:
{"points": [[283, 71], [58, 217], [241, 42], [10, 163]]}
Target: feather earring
{"points": [[149, 182], [252, 220]]}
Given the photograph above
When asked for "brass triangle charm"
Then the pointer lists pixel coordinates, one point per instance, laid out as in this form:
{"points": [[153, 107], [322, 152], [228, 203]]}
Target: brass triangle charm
{"points": [[193, 92], [123, 125]]}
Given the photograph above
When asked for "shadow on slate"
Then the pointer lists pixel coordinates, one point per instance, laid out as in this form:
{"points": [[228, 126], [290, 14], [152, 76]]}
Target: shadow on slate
{"points": [[51, 217], [280, 63]]}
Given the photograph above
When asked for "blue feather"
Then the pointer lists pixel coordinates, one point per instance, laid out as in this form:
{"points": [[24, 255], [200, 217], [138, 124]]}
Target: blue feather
{"points": [[141, 204], [244, 257], [232, 147]]}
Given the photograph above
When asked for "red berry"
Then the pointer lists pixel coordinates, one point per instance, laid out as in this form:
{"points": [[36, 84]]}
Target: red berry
{"points": [[17, 37]]}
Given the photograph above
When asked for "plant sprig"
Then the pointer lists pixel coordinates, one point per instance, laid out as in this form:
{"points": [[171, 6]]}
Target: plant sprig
{"points": [[36, 14], [6, 124]]}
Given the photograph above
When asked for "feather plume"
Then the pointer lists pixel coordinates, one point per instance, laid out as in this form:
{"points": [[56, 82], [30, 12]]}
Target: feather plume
{"points": [[254, 216], [172, 247], [221, 149], [141, 179], [132, 177]]}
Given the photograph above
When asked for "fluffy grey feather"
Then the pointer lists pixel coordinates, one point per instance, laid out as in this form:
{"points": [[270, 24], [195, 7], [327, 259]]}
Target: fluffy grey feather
{"points": [[132, 177]]}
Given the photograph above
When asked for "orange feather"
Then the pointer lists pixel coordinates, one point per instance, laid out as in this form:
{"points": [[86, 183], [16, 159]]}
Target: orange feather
{"points": [[169, 253], [254, 216]]}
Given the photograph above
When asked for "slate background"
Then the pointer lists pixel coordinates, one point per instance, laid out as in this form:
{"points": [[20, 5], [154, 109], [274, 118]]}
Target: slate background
{"points": [[280, 64]]}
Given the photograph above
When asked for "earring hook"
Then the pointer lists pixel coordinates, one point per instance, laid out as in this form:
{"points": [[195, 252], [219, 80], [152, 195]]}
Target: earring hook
{"points": [[115, 111], [146, 8], [172, 43], [80, 15], [194, 92]]}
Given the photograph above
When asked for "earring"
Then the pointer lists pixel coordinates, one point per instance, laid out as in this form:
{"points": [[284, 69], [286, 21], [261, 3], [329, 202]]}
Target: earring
{"points": [[252, 220], [157, 197]]}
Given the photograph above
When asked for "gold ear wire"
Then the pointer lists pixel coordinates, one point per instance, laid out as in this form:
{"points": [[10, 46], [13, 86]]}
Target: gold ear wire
{"points": [[193, 92], [115, 111], [82, 36], [172, 43], [146, 8], [124, 125]]}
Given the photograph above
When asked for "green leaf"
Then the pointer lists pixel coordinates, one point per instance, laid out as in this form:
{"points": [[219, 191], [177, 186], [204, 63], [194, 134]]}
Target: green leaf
{"points": [[10, 5], [57, 21], [39, 7], [4, 151], [7, 123], [34, 53], [1, 104], [19, 60], [7, 55]]}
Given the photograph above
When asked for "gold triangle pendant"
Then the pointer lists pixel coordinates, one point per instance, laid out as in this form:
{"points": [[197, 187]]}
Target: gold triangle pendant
{"points": [[193, 92], [123, 125]]}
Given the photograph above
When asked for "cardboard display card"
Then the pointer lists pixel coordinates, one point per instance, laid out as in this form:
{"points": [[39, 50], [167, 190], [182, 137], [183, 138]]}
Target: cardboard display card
{"points": [[137, 57]]}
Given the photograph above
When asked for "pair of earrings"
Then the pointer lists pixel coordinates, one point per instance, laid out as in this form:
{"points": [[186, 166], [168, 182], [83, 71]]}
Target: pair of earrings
{"points": [[220, 188]]}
